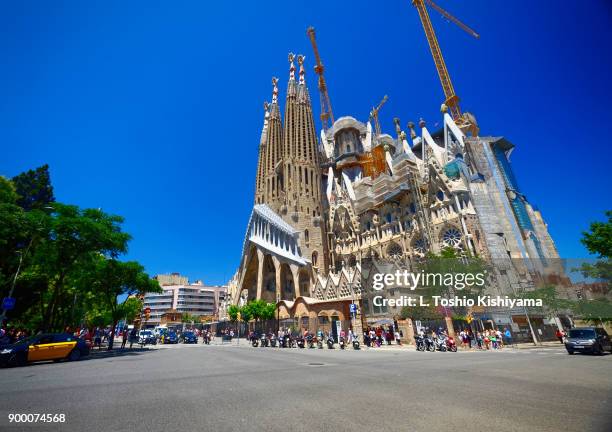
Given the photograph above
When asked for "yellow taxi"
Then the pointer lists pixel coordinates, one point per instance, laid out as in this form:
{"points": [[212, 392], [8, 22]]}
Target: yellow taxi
{"points": [[46, 346]]}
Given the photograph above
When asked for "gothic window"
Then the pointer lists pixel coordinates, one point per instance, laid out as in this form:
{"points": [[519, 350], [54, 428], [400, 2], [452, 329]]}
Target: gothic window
{"points": [[440, 195], [420, 246], [352, 261], [451, 237], [412, 208], [394, 251], [314, 258], [389, 217], [306, 236]]}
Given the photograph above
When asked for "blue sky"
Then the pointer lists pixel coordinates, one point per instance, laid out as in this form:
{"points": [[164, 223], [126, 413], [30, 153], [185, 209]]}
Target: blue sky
{"points": [[153, 110]]}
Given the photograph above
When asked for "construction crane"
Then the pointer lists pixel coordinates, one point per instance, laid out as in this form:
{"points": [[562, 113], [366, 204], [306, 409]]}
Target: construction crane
{"points": [[374, 115], [326, 109], [452, 100]]}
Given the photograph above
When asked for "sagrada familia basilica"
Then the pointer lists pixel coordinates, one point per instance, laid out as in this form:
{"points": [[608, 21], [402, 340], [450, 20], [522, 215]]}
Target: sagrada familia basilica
{"points": [[326, 201]]}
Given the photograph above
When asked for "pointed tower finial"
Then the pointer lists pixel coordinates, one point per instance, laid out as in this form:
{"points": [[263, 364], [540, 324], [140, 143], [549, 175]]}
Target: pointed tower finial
{"points": [[274, 90], [413, 134], [300, 59], [291, 67]]}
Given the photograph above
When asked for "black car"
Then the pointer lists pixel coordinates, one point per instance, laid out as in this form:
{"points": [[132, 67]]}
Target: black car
{"points": [[593, 340], [48, 346], [170, 338], [189, 338]]}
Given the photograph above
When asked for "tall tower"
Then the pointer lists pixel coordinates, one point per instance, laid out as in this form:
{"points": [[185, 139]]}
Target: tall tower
{"points": [[261, 172], [273, 187], [303, 197]]}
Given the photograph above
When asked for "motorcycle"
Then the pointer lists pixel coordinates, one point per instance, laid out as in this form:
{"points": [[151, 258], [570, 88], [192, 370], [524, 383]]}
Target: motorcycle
{"points": [[429, 344], [355, 344], [451, 345], [440, 343], [341, 342], [300, 342], [263, 341], [420, 343], [310, 341], [254, 341], [330, 342], [273, 341], [320, 342]]}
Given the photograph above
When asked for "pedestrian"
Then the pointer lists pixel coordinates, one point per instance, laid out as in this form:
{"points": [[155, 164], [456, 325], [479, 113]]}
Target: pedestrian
{"points": [[559, 335], [508, 336], [124, 337], [398, 337], [134, 336], [479, 340]]}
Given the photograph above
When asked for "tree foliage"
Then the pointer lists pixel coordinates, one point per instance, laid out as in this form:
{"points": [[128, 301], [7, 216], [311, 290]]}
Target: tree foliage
{"points": [[63, 261]]}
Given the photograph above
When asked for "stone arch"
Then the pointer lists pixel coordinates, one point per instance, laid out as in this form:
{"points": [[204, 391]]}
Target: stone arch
{"points": [[287, 288], [268, 291], [249, 283]]}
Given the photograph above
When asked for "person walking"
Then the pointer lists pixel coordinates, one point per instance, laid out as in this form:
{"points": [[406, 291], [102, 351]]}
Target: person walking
{"points": [[508, 336], [559, 335], [398, 337], [124, 337]]}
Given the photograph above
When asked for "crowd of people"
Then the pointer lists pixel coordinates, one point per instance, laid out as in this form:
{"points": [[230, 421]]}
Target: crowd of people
{"points": [[490, 339]]}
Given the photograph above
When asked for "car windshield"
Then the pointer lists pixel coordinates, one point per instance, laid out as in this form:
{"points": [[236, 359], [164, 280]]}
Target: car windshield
{"points": [[188, 334], [28, 340], [582, 333], [146, 333]]}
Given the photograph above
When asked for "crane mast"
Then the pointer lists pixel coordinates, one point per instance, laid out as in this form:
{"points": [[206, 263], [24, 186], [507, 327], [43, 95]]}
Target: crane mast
{"points": [[326, 109], [374, 115], [452, 100]]}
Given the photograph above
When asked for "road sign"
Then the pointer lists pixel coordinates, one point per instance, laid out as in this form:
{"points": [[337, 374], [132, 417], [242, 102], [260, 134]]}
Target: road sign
{"points": [[8, 303], [353, 308]]}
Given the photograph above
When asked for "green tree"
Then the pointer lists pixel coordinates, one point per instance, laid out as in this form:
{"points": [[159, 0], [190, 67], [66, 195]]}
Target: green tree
{"points": [[232, 312], [598, 241], [131, 308], [34, 188], [110, 279]]}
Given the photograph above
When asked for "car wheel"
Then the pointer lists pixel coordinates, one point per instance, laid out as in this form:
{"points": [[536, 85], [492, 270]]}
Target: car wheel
{"points": [[570, 352], [74, 355], [18, 359]]}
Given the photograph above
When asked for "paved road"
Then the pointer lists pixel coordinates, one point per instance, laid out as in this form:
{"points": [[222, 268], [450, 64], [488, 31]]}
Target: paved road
{"points": [[229, 388]]}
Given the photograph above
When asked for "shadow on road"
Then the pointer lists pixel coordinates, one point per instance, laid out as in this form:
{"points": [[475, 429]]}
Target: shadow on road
{"points": [[117, 352]]}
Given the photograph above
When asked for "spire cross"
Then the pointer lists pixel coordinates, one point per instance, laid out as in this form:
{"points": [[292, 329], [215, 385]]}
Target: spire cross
{"points": [[300, 59], [274, 90], [291, 67]]}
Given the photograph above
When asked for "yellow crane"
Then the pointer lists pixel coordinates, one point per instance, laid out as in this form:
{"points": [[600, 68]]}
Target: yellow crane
{"points": [[374, 114], [326, 109], [452, 100]]}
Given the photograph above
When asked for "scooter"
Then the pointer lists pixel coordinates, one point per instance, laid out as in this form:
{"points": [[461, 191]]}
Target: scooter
{"points": [[254, 341], [273, 341], [300, 342], [263, 341], [330, 342], [341, 342], [440, 343], [429, 344], [320, 343], [420, 343], [451, 345], [310, 341], [356, 344]]}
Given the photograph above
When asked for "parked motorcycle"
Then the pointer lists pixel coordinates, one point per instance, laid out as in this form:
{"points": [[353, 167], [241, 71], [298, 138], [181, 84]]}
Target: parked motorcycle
{"points": [[263, 341], [430, 344], [320, 343], [330, 342], [451, 345], [254, 341], [300, 342], [310, 341], [440, 343], [341, 342], [273, 341], [356, 344], [420, 343]]}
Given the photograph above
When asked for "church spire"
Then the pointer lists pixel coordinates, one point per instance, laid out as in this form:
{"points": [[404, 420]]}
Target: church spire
{"points": [[274, 140], [261, 160]]}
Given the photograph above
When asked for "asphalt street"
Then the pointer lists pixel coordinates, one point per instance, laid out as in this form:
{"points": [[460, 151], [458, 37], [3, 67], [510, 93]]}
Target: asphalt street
{"points": [[240, 388]]}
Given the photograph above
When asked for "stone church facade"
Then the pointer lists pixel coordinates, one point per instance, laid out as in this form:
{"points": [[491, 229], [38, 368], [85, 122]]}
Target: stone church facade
{"points": [[325, 202]]}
